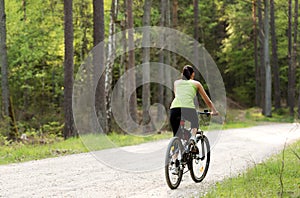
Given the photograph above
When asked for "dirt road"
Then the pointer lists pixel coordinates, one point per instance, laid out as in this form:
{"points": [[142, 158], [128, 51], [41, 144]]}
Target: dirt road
{"points": [[83, 175]]}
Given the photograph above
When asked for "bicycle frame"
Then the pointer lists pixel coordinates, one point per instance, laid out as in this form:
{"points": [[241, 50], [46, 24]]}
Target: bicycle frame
{"points": [[189, 155]]}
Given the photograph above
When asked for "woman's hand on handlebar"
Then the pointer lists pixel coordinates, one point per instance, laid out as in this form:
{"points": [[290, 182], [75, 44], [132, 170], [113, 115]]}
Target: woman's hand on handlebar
{"points": [[214, 113]]}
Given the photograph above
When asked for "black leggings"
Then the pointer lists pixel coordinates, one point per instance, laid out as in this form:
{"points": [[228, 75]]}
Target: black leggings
{"points": [[188, 114]]}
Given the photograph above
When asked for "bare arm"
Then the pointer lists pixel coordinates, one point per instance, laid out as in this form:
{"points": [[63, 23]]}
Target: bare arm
{"points": [[174, 85], [206, 99]]}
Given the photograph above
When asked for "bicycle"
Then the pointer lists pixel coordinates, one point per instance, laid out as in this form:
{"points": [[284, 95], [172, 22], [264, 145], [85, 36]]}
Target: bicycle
{"points": [[181, 153]]}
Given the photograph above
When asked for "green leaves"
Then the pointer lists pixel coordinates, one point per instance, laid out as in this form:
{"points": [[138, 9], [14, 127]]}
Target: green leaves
{"points": [[35, 43]]}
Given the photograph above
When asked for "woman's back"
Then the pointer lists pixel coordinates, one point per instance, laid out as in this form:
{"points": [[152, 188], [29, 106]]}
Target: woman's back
{"points": [[185, 92]]}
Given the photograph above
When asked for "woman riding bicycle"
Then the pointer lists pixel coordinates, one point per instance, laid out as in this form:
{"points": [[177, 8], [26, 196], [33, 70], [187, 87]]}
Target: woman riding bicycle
{"points": [[183, 104]]}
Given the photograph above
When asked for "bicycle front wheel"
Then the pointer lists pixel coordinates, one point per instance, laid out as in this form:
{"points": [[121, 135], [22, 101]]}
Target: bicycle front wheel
{"points": [[173, 171], [200, 162]]}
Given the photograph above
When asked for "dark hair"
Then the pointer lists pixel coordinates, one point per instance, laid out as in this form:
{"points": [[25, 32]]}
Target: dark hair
{"points": [[187, 72]]}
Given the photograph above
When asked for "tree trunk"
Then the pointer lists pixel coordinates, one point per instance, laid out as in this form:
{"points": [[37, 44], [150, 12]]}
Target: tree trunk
{"points": [[294, 55], [268, 96], [4, 61], [84, 26], [98, 62], [168, 93], [109, 64], [14, 133], [161, 89], [257, 72], [146, 66], [131, 63], [277, 95], [167, 53], [175, 14], [174, 24], [24, 9], [291, 72], [261, 53], [196, 37], [69, 129], [98, 18], [196, 21], [123, 63], [26, 94]]}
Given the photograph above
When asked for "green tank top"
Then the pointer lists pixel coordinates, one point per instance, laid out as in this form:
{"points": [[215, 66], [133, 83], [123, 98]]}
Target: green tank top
{"points": [[184, 95]]}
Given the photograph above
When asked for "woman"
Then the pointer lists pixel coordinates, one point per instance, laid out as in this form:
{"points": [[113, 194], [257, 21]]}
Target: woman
{"points": [[183, 104]]}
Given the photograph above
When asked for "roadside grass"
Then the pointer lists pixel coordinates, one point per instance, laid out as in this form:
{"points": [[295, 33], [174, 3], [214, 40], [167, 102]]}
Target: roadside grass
{"points": [[276, 177], [237, 118], [243, 118], [21, 152]]}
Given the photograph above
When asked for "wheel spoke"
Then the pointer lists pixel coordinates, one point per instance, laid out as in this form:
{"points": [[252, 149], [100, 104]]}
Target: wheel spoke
{"points": [[172, 171], [200, 162]]}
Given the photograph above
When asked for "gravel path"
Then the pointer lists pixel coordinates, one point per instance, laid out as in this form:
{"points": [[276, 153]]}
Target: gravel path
{"points": [[82, 175]]}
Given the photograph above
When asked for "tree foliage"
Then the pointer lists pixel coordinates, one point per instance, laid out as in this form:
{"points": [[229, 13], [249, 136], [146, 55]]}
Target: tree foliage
{"points": [[35, 47]]}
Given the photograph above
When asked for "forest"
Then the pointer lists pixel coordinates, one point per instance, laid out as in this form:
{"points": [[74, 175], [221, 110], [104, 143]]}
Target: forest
{"points": [[254, 44]]}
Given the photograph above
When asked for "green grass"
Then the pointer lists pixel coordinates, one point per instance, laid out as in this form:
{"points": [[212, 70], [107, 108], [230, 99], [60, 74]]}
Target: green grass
{"points": [[242, 118], [261, 181], [264, 179], [18, 152], [236, 118]]}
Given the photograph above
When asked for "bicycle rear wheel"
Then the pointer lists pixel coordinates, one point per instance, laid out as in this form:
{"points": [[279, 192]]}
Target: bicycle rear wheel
{"points": [[200, 162], [173, 172]]}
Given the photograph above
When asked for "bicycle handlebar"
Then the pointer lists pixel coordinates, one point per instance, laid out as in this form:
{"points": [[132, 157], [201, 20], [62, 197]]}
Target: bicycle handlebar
{"points": [[205, 112]]}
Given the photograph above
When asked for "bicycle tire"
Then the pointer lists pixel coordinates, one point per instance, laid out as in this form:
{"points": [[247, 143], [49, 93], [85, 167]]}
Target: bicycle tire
{"points": [[199, 166], [174, 146]]}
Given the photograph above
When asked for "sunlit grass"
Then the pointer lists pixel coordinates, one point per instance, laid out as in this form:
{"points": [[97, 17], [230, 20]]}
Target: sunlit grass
{"points": [[264, 179], [254, 116], [239, 118], [260, 181], [18, 152]]}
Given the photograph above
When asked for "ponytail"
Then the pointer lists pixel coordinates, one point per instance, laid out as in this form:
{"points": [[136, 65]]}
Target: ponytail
{"points": [[187, 72]]}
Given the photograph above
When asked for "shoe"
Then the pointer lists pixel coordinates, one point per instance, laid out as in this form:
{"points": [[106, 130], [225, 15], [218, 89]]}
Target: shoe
{"points": [[175, 167], [174, 170]]}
